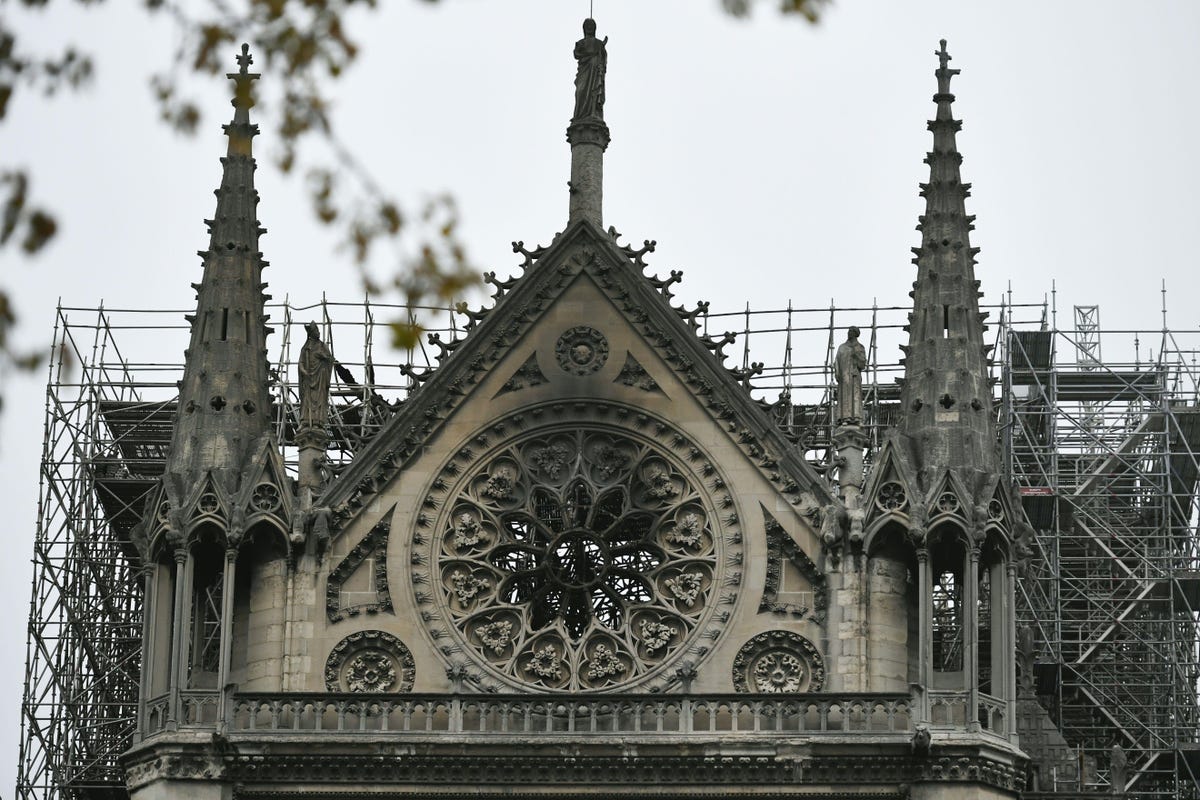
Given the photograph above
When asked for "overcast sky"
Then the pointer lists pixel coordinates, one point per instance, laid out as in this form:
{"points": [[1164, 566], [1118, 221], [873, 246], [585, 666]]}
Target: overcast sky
{"points": [[771, 160]]}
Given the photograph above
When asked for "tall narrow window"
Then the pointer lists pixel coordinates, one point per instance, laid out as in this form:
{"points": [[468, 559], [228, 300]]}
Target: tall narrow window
{"points": [[984, 616], [205, 651], [947, 622], [224, 324], [947, 559], [945, 322]]}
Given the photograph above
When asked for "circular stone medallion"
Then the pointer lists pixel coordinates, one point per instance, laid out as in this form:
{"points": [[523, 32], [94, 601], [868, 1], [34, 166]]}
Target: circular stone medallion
{"points": [[778, 662], [370, 662], [578, 554], [581, 350]]}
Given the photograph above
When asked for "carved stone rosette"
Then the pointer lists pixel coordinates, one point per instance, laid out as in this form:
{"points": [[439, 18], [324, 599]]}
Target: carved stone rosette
{"points": [[370, 662], [581, 350], [580, 555], [778, 662]]}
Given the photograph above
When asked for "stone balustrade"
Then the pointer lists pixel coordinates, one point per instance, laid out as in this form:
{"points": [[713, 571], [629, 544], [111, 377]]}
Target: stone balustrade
{"points": [[583, 715]]}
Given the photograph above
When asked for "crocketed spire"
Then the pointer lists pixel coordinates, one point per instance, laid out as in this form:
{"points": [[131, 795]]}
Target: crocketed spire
{"points": [[946, 394], [223, 399]]}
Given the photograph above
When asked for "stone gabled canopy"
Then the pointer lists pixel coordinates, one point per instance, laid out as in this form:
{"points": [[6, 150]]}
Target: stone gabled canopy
{"points": [[645, 303]]}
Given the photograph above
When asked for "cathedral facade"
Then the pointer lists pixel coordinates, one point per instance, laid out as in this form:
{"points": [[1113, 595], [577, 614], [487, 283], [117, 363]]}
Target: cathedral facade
{"points": [[581, 560]]}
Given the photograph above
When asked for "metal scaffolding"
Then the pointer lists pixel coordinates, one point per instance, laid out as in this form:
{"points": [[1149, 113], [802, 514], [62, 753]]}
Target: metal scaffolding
{"points": [[1104, 453]]}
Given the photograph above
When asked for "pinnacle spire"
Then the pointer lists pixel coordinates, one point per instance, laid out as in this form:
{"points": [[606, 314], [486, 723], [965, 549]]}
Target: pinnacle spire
{"points": [[947, 394], [223, 399], [588, 133]]}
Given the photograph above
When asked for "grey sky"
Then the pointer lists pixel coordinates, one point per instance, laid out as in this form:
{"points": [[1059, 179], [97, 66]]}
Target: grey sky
{"points": [[769, 159]]}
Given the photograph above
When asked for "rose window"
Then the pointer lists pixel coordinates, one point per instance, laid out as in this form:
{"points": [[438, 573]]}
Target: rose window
{"points": [[577, 560]]}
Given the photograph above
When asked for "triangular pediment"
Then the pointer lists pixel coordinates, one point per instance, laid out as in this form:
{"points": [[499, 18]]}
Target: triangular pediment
{"points": [[643, 348]]}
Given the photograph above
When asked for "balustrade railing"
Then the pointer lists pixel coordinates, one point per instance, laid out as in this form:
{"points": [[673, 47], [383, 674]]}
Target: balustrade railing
{"points": [[584, 715]]}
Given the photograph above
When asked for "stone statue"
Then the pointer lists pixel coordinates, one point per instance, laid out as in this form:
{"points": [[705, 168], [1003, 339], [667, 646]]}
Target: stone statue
{"points": [[589, 80], [1026, 651], [849, 363], [315, 368], [1116, 769]]}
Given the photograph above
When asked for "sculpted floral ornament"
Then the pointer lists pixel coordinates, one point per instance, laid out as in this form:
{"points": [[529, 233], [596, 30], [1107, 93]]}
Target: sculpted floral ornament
{"points": [[778, 662], [370, 662], [371, 671], [577, 558], [581, 350]]}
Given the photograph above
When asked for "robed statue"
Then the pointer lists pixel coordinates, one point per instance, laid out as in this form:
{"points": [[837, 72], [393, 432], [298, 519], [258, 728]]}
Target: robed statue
{"points": [[315, 368], [589, 80], [849, 363]]}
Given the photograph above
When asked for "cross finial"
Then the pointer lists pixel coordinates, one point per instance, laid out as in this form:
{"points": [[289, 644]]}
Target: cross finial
{"points": [[245, 59], [943, 56]]}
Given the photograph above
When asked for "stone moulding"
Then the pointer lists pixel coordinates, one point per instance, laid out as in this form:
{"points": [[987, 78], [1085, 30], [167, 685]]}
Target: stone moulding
{"points": [[374, 543], [780, 546]]}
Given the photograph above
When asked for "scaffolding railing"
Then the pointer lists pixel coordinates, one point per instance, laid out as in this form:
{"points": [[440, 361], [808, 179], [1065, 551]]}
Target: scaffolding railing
{"points": [[1104, 454]]}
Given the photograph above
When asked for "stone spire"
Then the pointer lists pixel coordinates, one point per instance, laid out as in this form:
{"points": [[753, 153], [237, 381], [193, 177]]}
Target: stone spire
{"points": [[587, 133], [946, 394], [224, 405]]}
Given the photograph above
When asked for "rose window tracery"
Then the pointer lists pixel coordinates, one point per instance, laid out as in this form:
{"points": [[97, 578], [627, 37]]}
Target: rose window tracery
{"points": [[580, 559]]}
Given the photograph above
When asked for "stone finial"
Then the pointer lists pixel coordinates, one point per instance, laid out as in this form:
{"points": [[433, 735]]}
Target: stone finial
{"points": [[944, 73], [243, 97]]}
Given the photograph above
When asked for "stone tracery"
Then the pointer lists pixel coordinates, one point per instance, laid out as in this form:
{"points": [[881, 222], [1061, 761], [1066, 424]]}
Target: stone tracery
{"points": [[577, 558]]}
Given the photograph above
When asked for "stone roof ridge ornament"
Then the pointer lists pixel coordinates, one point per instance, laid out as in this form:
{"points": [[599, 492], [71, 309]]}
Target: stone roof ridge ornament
{"points": [[588, 134]]}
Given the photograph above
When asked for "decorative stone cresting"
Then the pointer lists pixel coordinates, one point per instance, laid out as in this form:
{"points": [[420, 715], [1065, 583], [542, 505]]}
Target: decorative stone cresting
{"points": [[370, 662], [581, 350], [778, 662], [582, 549]]}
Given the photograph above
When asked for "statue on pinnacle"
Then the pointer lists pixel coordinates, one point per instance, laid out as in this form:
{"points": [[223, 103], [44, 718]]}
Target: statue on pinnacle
{"points": [[592, 56]]}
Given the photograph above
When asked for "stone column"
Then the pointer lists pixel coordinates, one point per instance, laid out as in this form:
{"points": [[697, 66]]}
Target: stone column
{"points": [[971, 637], [179, 622], [149, 645], [887, 631], [1009, 653], [228, 587], [852, 628], [925, 637], [588, 139], [312, 443], [833, 622]]}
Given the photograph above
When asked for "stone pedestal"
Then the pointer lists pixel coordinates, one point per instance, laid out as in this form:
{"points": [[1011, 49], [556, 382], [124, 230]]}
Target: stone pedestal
{"points": [[589, 139]]}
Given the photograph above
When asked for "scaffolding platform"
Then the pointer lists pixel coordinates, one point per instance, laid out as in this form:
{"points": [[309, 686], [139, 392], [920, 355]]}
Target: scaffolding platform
{"points": [[1102, 450]]}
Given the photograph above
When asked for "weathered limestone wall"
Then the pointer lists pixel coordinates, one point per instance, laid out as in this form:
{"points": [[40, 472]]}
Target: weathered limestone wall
{"points": [[852, 628], [887, 624], [958, 791], [183, 790], [261, 637]]}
